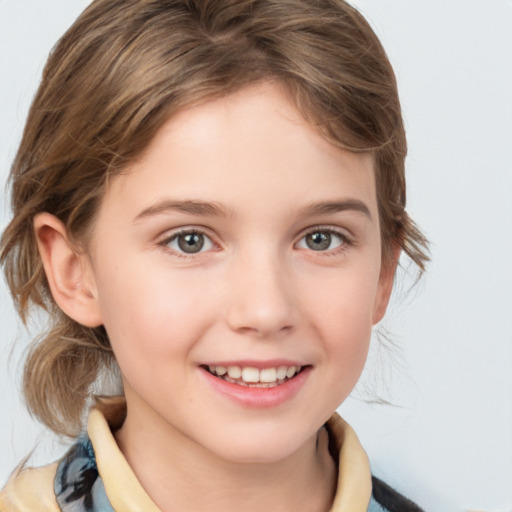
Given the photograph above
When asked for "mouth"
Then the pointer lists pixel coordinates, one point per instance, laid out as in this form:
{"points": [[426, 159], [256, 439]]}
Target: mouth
{"points": [[249, 376]]}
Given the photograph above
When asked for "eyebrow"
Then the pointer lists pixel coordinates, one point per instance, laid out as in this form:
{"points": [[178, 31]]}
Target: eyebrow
{"points": [[214, 209], [190, 207], [336, 206]]}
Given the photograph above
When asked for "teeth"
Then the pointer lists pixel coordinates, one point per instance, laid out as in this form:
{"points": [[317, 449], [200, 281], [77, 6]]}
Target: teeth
{"points": [[220, 370], [250, 375], [235, 372], [267, 377], [291, 372], [281, 372]]}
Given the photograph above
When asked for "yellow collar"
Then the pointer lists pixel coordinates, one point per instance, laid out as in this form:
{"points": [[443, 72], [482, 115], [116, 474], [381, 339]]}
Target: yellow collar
{"points": [[126, 493]]}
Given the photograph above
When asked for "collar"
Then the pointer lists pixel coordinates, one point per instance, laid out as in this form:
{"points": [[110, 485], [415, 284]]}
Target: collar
{"points": [[114, 485]]}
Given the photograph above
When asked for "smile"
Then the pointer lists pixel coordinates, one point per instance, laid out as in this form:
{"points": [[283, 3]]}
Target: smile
{"points": [[254, 377]]}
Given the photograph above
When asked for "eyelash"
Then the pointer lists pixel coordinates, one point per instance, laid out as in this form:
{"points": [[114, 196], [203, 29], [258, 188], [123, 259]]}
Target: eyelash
{"points": [[175, 236], [345, 241]]}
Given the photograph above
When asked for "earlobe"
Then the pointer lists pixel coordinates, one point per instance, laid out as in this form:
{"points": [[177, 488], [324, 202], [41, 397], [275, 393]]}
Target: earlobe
{"points": [[68, 273], [385, 286]]}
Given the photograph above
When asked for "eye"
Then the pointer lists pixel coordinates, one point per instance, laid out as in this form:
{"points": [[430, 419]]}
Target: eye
{"points": [[189, 242], [322, 240]]}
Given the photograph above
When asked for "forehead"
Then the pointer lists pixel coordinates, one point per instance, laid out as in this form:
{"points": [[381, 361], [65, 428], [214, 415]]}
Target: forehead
{"points": [[249, 149]]}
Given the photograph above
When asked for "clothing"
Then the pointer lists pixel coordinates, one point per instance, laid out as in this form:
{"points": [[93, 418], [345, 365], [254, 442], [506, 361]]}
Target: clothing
{"points": [[94, 476]]}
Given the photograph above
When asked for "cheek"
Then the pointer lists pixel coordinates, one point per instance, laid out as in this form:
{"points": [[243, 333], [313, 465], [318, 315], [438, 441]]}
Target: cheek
{"points": [[342, 312], [151, 314]]}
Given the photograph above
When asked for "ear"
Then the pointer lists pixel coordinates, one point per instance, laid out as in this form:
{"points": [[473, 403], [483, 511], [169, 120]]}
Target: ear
{"points": [[69, 273], [385, 285]]}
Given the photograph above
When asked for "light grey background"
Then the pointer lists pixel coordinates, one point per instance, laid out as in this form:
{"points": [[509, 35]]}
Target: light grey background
{"points": [[448, 441]]}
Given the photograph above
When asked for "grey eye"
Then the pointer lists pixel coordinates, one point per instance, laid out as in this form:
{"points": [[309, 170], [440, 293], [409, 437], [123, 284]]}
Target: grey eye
{"points": [[190, 242], [321, 241]]}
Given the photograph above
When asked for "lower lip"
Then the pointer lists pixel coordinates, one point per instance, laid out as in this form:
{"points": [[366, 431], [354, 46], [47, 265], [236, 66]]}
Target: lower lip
{"points": [[256, 397]]}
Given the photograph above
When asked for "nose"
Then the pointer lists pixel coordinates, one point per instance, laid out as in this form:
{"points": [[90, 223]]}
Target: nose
{"points": [[262, 302]]}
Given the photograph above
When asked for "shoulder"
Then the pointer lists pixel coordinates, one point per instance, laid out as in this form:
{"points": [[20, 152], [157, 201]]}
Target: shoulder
{"points": [[386, 499], [30, 489], [355, 477], [71, 484]]}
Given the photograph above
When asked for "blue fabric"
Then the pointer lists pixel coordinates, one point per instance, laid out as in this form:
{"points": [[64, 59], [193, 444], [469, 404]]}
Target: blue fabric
{"points": [[78, 486], [376, 507]]}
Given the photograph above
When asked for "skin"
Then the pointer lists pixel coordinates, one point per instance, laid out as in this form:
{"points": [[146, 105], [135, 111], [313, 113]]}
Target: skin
{"points": [[256, 292]]}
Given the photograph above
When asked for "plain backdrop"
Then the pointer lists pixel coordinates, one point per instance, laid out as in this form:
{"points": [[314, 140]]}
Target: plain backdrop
{"points": [[447, 439]]}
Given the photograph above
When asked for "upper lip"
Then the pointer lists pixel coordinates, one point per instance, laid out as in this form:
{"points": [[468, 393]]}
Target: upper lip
{"points": [[260, 365]]}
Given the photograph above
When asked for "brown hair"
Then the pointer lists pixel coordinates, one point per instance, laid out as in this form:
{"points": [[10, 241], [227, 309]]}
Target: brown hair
{"points": [[120, 72]]}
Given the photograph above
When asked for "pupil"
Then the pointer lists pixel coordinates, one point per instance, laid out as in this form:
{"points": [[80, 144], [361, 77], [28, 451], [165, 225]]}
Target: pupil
{"points": [[191, 242], [318, 241]]}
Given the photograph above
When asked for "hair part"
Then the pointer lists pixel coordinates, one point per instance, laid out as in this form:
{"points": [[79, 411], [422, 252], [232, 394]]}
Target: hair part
{"points": [[118, 74]]}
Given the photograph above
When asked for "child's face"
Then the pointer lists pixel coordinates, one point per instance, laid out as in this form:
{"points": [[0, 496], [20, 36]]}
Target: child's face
{"points": [[240, 239]]}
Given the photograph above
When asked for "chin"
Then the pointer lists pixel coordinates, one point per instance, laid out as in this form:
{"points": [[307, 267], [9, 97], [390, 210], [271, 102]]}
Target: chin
{"points": [[262, 449]]}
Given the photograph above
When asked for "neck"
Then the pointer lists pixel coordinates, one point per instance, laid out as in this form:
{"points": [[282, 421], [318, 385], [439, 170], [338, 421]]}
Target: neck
{"points": [[178, 474]]}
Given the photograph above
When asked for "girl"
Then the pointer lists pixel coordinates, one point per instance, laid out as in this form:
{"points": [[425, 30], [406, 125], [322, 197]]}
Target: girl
{"points": [[209, 201]]}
